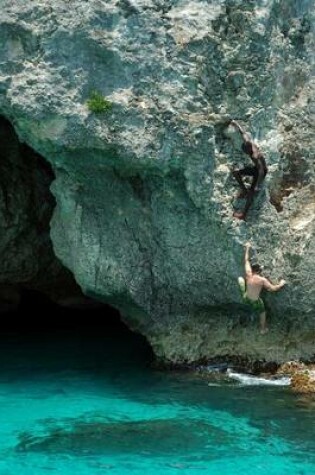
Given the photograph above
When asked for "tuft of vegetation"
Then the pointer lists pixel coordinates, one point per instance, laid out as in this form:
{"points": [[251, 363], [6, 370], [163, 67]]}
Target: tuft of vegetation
{"points": [[97, 103]]}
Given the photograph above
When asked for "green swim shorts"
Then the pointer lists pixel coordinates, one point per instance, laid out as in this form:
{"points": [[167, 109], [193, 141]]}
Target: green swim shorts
{"points": [[256, 305]]}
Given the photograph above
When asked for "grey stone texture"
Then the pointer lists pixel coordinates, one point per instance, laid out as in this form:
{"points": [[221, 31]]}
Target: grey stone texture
{"points": [[144, 191]]}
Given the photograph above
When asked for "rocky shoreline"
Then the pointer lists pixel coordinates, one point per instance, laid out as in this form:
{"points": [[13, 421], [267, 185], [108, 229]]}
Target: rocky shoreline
{"points": [[300, 375]]}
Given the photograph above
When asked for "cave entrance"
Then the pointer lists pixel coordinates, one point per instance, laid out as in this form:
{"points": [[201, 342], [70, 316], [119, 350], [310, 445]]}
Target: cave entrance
{"points": [[31, 274], [86, 333]]}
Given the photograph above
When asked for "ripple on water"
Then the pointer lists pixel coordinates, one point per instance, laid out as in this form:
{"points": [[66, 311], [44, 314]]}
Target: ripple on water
{"points": [[125, 419]]}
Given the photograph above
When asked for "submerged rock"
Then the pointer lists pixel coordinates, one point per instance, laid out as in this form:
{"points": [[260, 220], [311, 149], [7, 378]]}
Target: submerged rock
{"points": [[143, 189], [151, 437]]}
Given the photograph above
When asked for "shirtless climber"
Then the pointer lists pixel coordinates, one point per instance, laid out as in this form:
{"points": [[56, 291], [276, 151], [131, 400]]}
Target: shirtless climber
{"points": [[258, 171], [253, 285]]}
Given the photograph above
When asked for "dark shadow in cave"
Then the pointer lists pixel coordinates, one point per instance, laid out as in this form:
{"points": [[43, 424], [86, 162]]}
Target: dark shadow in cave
{"points": [[44, 335], [36, 277], [26, 207]]}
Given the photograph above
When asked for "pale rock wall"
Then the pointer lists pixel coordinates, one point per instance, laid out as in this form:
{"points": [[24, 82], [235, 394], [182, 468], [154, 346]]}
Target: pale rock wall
{"points": [[144, 192]]}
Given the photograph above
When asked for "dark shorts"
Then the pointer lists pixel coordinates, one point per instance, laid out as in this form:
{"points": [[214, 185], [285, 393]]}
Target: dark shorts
{"points": [[256, 305]]}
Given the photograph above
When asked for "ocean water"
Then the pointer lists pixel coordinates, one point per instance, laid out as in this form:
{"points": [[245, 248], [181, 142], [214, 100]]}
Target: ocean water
{"points": [[90, 404]]}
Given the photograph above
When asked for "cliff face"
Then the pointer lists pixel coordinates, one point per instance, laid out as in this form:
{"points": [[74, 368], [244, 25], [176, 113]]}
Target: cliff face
{"points": [[144, 191]]}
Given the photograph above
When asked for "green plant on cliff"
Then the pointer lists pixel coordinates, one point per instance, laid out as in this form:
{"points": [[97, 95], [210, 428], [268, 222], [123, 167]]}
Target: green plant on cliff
{"points": [[97, 103]]}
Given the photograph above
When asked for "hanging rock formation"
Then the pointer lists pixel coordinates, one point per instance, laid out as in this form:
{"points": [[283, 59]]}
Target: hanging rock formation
{"points": [[144, 191]]}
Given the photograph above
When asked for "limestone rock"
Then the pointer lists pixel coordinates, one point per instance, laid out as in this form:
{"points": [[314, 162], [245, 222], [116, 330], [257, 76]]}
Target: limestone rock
{"points": [[302, 376], [304, 382], [144, 193]]}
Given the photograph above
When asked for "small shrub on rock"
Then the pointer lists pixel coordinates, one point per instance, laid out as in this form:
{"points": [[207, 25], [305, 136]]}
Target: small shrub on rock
{"points": [[97, 103]]}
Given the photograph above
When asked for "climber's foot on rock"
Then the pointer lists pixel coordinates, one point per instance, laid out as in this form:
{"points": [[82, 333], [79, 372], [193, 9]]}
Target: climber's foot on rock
{"points": [[241, 194], [239, 215]]}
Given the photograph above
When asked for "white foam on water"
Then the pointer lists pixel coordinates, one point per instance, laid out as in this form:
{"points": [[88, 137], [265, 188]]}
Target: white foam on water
{"points": [[248, 380]]}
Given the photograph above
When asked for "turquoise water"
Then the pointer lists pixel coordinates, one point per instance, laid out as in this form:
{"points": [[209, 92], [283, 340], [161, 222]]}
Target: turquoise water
{"points": [[91, 405]]}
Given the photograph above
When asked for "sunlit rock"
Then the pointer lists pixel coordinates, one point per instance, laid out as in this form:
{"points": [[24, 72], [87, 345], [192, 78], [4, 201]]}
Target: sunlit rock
{"points": [[302, 376], [144, 191]]}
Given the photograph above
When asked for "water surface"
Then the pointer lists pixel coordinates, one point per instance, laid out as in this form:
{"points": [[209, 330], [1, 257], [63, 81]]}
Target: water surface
{"points": [[89, 404]]}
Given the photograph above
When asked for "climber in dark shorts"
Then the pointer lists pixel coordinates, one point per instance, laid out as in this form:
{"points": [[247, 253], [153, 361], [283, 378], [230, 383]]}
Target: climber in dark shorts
{"points": [[252, 286], [258, 171]]}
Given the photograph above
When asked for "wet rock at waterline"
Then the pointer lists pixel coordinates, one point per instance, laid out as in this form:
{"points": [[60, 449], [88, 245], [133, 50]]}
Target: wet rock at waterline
{"points": [[302, 376]]}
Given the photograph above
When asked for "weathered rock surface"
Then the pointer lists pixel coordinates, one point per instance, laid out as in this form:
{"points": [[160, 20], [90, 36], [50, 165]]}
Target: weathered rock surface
{"points": [[302, 376], [144, 192]]}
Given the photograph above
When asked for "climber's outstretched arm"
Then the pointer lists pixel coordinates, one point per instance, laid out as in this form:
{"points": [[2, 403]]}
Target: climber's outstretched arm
{"points": [[245, 135]]}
